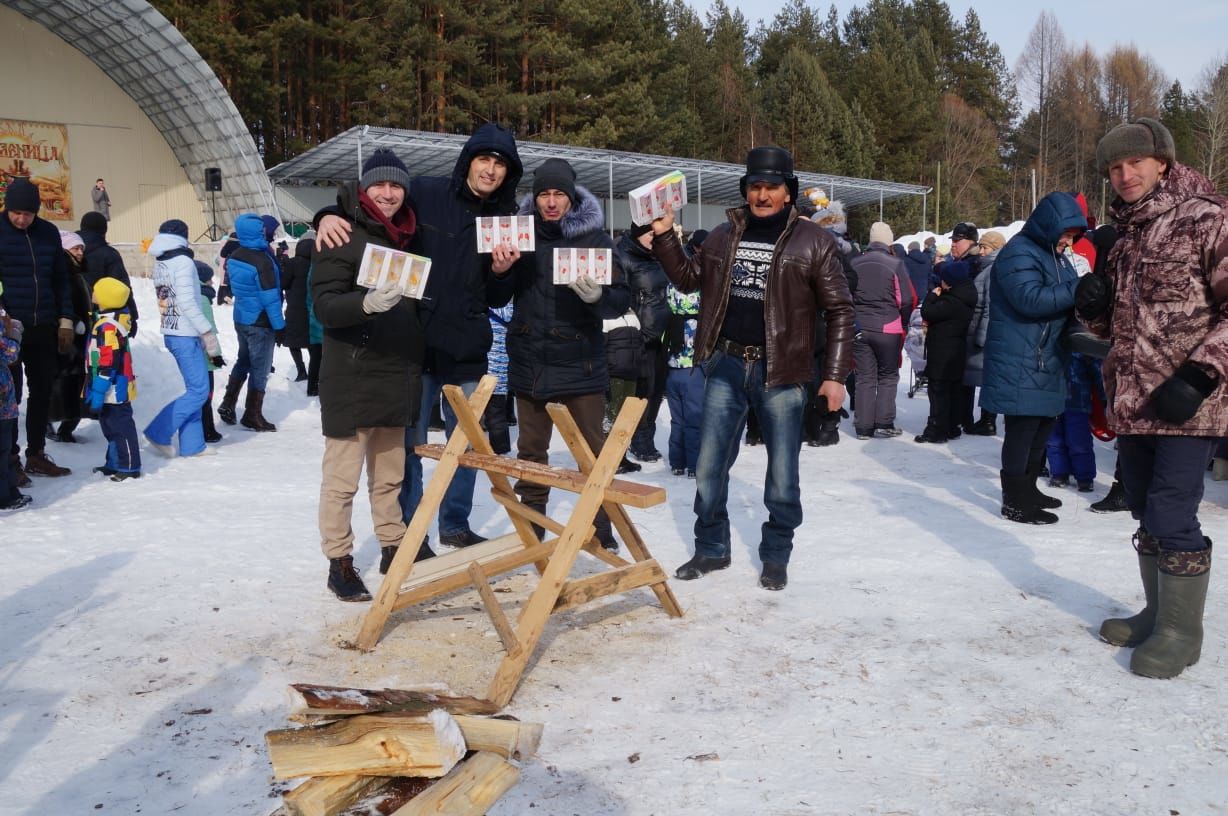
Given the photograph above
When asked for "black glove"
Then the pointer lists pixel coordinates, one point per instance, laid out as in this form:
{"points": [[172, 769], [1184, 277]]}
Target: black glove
{"points": [[1093, 296], [1177, 399], [217, 361]]}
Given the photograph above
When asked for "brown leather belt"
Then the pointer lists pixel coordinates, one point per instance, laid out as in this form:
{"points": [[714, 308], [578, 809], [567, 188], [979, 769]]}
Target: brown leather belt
{"points": [[748, 353]]}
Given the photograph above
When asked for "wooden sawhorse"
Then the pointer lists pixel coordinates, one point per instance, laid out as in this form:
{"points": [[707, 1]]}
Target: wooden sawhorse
{"points": [[409, 583]]}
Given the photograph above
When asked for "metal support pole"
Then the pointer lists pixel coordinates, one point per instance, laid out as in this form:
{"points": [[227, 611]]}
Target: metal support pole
{"points": [[610, 162], [880, 203], [924, 202], [700, 202]]}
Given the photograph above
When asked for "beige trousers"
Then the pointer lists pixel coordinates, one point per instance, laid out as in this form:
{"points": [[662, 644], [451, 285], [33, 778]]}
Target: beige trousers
{"points": [[383, 450]]}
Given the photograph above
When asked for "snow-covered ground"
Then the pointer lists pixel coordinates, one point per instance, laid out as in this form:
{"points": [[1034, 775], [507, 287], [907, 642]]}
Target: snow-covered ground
{"points": [[928, 657]]}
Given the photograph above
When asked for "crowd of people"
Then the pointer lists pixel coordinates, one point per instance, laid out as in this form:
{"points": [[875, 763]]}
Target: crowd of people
{"points": [[764, 325]]}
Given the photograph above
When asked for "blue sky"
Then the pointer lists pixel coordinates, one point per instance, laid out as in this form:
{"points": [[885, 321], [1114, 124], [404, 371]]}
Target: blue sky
{"points": [[1183, 38]]}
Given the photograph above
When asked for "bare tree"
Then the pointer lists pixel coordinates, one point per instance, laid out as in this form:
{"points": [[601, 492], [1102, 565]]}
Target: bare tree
{"points": [[1078, 120], [969, 149], [1211, 121], [1037, 71], [1133, 85]]}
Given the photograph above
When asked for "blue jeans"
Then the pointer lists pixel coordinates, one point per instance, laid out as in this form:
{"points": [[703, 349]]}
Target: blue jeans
{"points": [[255, 356], [182, 414], [684, 393], [458, 500], [732, 385]]}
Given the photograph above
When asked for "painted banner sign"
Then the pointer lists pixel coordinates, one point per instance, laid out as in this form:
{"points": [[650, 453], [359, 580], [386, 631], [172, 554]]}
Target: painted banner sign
{"points": [[38, 151]]}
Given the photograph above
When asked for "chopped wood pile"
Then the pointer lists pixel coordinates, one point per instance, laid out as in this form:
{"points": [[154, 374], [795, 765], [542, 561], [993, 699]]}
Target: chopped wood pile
{"points": [[396, 752]]}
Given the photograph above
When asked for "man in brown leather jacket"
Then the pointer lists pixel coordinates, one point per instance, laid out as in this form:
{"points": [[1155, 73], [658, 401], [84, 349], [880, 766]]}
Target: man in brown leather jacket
{"points": [[763, 276]]}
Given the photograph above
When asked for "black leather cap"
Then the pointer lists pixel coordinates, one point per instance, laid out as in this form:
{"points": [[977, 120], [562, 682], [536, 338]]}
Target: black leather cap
{"points": [[771, 164]]}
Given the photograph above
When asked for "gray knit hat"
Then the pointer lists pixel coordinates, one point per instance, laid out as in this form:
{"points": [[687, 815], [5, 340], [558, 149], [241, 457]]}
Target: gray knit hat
{"points": [[383, 165], [1142, 137]]}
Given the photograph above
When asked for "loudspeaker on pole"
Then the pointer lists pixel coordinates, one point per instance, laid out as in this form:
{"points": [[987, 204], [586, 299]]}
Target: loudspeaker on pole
{"points": [[213, 179]]}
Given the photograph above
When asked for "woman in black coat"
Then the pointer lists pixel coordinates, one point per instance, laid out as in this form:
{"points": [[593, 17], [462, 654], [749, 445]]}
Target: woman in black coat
{"points": [[296, 335], [947, 311]]}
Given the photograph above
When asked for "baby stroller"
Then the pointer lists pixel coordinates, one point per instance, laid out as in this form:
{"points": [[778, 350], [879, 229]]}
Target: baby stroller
{"points": [[914, 347]]}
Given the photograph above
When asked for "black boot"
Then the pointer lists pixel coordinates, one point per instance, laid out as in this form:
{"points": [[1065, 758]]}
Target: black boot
{"points": [[987, 425], [344, 582], [206, 420], [226, 411], [540, 532], [386, 554], [253, 412], [774, 576], [1114, 502], [1018, 502], [627, 466], [700, 566], [605, 533], [1042, 500], [931, 434]]}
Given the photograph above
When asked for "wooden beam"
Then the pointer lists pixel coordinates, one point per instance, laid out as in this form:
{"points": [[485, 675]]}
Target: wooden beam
{"points": [[329, 795], [536, 611], [313, 703], [471, 789], [620, 491], [582, 591], [385, 599], [506, 634], [458, 578], [510, 739], [585, 460], [384, 745]]}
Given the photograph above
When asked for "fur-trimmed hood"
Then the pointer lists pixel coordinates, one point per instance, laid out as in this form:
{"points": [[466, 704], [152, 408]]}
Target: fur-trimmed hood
{"points": [[585, 215]]}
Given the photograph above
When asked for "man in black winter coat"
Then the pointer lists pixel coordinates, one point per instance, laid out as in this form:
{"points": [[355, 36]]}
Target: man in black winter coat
{"points": [[555, 343], [453, 308]]}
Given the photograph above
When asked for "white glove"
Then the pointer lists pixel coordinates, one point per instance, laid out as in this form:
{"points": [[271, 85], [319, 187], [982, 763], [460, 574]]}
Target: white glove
{"points": [[587, 289], [382, 299], [79, 328], [212, 347]]}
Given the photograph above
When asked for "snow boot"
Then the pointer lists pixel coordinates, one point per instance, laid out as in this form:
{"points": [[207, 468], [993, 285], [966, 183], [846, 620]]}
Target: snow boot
{"points": [[829, 428], [1181, 596], [253, 412], [605, 533], [627, 466], [1018, 503], [1113, 502], [226, 411], [206, 421], [774, 577], [930, 434], [987, 425], [1135, 629], [699, 566], [1043, 500], [344, 582]]}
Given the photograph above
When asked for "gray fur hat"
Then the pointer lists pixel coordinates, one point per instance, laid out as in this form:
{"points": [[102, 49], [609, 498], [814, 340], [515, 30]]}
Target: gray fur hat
{"points": [[1142, 137]]}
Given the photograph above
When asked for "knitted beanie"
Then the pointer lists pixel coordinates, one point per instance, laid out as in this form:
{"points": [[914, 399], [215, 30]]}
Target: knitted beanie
{"points": [[1142, 137], [68, 240], [555, 174], [952, 272], [383, 165], [22, 196], [880, 233]]}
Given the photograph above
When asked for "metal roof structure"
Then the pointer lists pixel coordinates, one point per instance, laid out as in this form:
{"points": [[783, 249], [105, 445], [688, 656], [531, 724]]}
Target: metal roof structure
{"points": [[606, 173], [151, 61]]}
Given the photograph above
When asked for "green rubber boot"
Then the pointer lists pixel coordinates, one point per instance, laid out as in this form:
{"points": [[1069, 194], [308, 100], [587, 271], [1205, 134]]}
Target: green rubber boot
{"points": [[1176, 641], [1135, 629]]}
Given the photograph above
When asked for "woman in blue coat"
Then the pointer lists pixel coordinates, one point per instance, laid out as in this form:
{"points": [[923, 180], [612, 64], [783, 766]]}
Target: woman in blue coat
{"points": [[1031, 298]]}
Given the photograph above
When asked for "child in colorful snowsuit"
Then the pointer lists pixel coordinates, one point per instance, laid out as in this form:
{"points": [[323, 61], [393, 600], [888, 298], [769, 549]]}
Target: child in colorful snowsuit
{"points": [[1069, 449], [110, 382], [684, 382]]}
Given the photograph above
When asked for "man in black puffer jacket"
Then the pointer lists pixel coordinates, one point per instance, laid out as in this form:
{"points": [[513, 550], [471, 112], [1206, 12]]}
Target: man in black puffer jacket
{"points": [[453, 309], [34, 272], [555, 344]]}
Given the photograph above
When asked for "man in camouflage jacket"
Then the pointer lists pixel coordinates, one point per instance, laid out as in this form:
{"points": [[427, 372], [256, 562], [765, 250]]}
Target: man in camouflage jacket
{"points": [[1163, 303]]}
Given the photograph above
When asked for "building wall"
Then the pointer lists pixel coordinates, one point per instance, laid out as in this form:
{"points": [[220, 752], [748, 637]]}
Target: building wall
{"points": [[47, 80]]}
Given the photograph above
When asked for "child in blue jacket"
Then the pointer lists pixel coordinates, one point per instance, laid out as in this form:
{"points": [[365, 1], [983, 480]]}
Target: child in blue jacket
{"points": [[110, 381]]}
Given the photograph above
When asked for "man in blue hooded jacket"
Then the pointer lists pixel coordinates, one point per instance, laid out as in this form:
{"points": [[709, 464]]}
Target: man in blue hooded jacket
{"points": [[453, 308], [255, 281]]}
